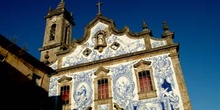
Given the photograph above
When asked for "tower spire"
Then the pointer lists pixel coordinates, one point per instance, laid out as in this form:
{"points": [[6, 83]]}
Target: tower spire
{"points": [[99, 7]]}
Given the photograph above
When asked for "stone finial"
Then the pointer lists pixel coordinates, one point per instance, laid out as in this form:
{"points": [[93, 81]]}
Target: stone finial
{"points": [[61, 4], [165, 27], [145, 28], [167, 33], [144, 25], [50, 8]]}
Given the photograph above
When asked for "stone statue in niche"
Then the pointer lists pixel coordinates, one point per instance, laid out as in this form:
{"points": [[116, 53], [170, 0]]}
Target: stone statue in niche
{"points": [[100, 40]]}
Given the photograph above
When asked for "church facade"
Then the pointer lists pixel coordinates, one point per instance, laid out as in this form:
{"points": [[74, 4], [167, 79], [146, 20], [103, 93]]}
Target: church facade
{"points": [[111, 69]]}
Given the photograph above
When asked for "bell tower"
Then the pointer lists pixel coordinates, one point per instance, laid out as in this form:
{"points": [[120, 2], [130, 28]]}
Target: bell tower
{"points": [[58, 31]]}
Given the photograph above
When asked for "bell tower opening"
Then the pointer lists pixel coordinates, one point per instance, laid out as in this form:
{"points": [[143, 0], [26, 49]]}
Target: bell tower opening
{"points": [[52, 32]]}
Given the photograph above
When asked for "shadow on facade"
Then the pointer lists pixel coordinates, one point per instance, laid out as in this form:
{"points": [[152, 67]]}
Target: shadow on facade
{"points": [[20, 93]]}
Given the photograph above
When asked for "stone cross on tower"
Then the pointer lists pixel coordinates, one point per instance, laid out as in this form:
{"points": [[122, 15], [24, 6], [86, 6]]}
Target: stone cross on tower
{"points": [[99, 7]]}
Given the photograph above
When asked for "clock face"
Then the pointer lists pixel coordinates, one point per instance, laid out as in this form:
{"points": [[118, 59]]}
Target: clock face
{"points": [[54, 19]]}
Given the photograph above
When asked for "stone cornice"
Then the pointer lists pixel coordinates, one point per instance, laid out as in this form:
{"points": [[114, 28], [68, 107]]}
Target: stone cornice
{"points": [[50, 46]]}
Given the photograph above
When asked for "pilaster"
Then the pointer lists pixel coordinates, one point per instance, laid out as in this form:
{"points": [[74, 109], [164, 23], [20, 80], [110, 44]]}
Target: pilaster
{"points": [[180, 81]]}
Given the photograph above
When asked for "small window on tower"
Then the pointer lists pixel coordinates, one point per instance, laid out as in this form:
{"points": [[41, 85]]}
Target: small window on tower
{"points": [[52, 32]]}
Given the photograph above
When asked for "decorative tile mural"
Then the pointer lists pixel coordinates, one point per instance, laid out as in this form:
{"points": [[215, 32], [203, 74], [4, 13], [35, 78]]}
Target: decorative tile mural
{"points": [[53, 87], [168, 96], [103, 107], [123, 84], [82, 88], [124, 87], [83, 91], [157, 43], [86, 53], [127, 45]]}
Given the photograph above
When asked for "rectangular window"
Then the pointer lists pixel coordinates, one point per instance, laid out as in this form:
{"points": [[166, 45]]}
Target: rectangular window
{"points": [[64, 93], [145, 81], [103, 89]]}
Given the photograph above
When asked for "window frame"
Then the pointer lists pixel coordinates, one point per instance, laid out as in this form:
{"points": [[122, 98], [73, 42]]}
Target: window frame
{"points": [[101, 74], [141, 66], [65, 81]]}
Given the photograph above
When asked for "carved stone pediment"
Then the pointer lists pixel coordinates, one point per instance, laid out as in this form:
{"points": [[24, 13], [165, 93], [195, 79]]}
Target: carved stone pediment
{"points": [[142, 62], [101, 70], [64, 78]]}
